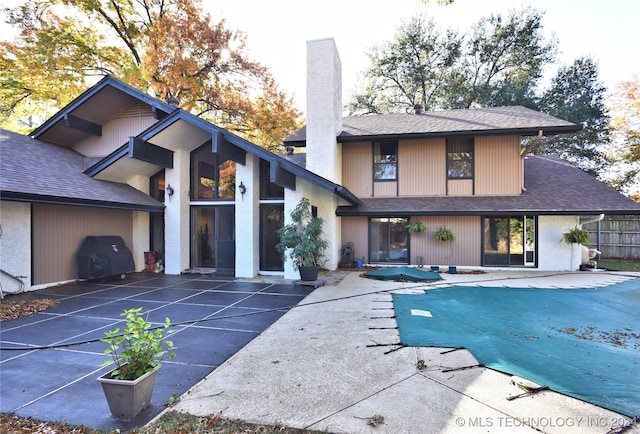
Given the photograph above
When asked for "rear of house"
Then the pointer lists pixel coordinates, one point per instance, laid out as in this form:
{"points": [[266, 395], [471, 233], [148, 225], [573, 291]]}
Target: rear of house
{"points": [[466, 170]]}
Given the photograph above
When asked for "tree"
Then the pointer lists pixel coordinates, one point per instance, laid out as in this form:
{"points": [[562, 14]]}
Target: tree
{"points": [[576, 95], [504, 60], [499, 60], [413, 69], [625, 144], [170, 47]]}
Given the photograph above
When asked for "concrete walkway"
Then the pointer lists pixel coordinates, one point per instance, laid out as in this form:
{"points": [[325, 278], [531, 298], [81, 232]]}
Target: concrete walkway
{"points": [[333, 364]]}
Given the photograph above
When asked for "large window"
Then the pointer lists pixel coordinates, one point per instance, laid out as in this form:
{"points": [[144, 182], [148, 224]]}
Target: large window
{"points": [[268, 190], [460, 158], [388, 240], [212, 177], [385, 161]]}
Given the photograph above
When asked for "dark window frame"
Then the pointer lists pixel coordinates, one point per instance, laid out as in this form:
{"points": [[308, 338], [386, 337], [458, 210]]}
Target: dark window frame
{"points": [[206, 164], [269, 190], [460, 159], [390, 160]]}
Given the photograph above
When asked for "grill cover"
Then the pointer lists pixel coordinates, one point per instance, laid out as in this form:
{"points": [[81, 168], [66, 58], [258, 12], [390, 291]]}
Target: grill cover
{"points": [[104, 256]]}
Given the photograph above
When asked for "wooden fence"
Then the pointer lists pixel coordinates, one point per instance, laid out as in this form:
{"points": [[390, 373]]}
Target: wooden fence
{"points": [[617, 237]]}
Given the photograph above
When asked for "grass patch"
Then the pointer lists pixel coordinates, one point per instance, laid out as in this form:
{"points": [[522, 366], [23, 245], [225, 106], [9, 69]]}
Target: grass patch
{"points": [[171, 422], [178, 422], [620, 265]]}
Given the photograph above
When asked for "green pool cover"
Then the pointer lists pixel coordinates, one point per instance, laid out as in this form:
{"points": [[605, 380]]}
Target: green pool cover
{"points": [[410, 274], [583, 343]]}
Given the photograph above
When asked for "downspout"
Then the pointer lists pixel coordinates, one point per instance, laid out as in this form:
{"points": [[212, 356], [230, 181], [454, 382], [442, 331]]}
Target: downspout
{"points": [[595, 219], [525, 152]]}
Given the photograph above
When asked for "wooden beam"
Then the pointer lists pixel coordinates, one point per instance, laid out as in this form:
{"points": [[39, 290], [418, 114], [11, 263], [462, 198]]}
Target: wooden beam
{"points": [[281, 177], [145, 151], [82, 125], [220, 145]]}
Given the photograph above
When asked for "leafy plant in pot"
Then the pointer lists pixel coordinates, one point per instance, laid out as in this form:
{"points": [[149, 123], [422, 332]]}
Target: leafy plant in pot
{"points": [[302, 241], [137, 353], [445, 235]]}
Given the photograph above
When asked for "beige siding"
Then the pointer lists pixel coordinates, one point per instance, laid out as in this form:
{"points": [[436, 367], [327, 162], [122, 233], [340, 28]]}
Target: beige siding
{"points": [[357, 168], [116, 132], [355, 230], [385, 189], [58, 232], [460, 187], [422, 167], [497, 165], [465, 250]]}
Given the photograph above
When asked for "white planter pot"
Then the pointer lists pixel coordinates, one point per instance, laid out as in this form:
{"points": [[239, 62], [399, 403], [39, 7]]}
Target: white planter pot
{"points": [[127, 398]]}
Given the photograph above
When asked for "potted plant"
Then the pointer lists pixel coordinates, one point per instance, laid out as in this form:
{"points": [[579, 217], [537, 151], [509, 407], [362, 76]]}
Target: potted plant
{"points": [[445, 235], [302, 241], [137, 353], [415, 227], [576, 235]]}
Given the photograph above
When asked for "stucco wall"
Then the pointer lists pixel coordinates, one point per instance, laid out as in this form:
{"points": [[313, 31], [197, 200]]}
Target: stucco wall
{"points": [[15, 244], [553, 253]]}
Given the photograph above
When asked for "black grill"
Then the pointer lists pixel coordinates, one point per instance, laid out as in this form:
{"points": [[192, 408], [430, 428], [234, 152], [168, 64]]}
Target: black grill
{"points": [[104, 256]]}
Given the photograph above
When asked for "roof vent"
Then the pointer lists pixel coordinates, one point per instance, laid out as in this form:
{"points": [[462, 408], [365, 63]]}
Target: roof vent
{"points": [[174, 102], [418, 109]]}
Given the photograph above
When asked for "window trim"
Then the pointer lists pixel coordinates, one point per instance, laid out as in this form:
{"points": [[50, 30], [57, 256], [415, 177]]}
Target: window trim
{"points": [[470, 142], [375, 164]]}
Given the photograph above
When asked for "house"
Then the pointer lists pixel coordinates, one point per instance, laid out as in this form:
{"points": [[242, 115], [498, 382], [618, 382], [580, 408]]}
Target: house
{"points": [[466, 170], [116, 161]]}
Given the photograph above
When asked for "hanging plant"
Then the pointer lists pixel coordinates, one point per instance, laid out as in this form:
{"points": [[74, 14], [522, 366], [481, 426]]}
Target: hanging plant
{"points": [[415, 227], [444, 234], [576, 235]]}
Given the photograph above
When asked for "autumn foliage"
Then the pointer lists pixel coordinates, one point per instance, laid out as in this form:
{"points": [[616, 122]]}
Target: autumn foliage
{"points": [[170, 48]]}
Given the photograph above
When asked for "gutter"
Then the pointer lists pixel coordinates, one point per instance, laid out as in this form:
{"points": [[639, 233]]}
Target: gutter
{"points": [[591, 219]]}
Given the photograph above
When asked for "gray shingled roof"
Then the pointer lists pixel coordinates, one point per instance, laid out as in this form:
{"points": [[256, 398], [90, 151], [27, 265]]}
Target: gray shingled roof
{"points": [[477, 121], [35, 171], [553, 187]]}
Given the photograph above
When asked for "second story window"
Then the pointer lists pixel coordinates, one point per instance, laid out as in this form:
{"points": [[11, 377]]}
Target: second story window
{"points": [[385, 161], [460, 158]]}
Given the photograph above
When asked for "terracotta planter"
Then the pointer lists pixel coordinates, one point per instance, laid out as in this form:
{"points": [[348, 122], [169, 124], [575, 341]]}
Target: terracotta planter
{"points": [[127, 398], [309, 274]]}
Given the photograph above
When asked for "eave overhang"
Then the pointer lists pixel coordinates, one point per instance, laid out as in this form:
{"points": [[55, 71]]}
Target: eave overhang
{"points": [[59, 200]]}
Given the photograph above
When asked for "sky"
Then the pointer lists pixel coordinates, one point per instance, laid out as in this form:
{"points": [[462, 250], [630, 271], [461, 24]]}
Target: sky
{"points": [[277, 31]]}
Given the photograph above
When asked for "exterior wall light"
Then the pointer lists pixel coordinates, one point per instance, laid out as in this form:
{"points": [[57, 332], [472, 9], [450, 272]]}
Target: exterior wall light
{"points": [[170, 190], [242, 188]]}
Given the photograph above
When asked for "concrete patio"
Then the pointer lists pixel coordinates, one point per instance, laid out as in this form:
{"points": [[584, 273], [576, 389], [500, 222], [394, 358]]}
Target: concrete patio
{"points": [[50, 361], [333, 363]]}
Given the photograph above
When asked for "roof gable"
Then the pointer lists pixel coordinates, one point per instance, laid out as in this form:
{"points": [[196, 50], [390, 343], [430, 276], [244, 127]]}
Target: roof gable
{"points": [[85, 115]]}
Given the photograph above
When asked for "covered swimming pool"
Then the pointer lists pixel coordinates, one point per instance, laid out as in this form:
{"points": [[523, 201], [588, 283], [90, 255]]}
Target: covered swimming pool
{"points": [[582, 342]]}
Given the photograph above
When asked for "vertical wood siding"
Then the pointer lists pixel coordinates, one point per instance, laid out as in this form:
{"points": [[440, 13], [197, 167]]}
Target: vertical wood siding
{"points": [[465, 250], [357, 168], [460, 187], [58, 232], [355, 230], [385, 189], [422, 167], [115, 133], [497, 165]]}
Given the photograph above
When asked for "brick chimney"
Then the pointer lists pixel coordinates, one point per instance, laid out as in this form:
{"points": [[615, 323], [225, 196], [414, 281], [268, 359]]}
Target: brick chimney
{"points": [[324, 108]]}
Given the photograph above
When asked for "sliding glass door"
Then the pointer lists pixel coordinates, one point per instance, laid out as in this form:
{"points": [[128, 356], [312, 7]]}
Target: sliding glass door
{"points": [[388, 241], [509, 241]]}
